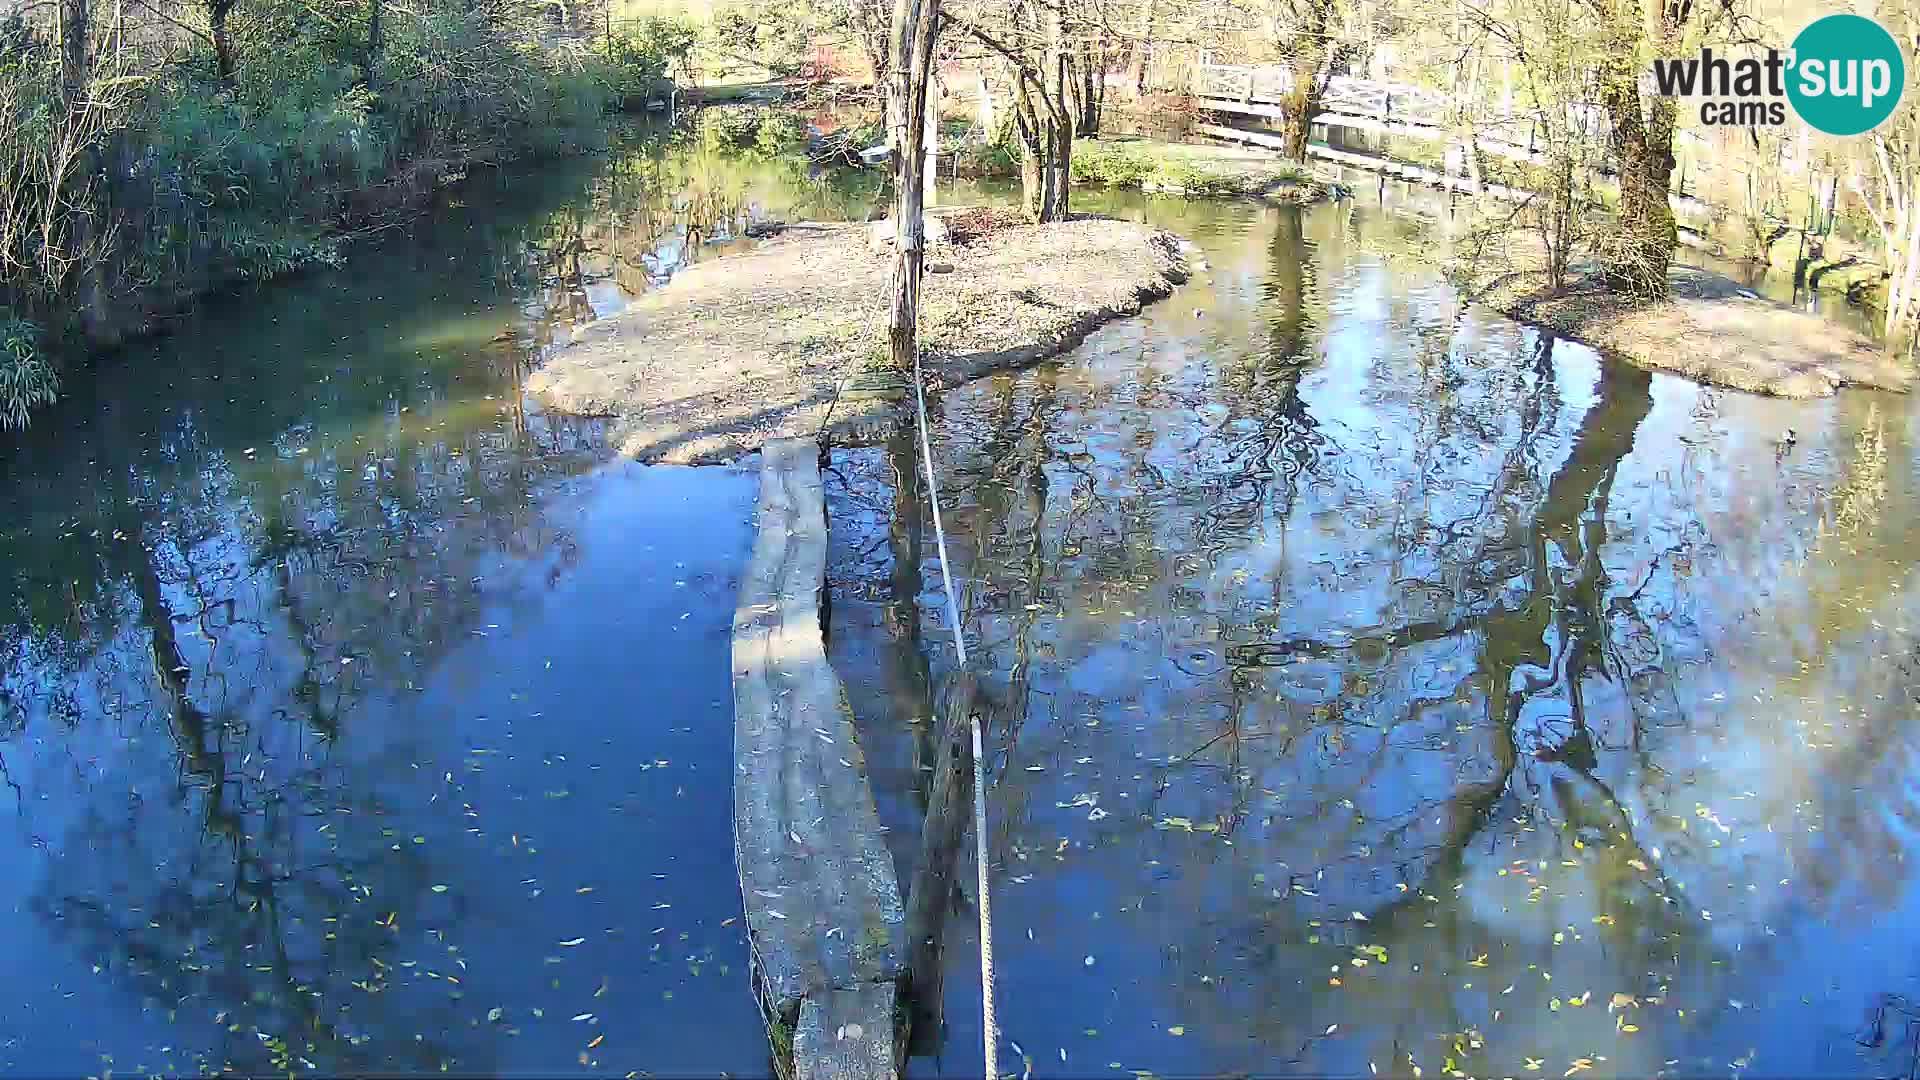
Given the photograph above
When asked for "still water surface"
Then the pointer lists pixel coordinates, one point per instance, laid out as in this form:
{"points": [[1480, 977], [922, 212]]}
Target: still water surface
{"points": [[1378, 685], [1374, 683]]}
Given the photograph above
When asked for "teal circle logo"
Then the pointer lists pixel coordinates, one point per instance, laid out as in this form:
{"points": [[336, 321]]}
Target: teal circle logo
{"points": [[1846, 74]]}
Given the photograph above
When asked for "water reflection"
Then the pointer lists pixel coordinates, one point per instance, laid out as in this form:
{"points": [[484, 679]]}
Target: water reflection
{"points": [[1378, 684], [322, 664]]}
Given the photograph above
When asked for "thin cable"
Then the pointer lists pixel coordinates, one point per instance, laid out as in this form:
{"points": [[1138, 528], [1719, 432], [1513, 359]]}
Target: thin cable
{"points": [[989, 1033]]}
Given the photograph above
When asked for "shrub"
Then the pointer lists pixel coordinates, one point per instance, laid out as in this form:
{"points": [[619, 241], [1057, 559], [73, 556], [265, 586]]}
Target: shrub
{"points": [[1111, 162], [642, 56], [767, 132], [170, 182], [27, 380]]}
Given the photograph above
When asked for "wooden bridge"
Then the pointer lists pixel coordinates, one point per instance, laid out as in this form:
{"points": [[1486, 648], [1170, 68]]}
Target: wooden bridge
{"points": [[1379, 107]]}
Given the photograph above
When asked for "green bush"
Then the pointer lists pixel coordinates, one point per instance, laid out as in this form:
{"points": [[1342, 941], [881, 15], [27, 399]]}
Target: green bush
{"points": [[1163, 167], [202, 183], [641, 57], [766, 132], [1120, 163], [27, 380]]}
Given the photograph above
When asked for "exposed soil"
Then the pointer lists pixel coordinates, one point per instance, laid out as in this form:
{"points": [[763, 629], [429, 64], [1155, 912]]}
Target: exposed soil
{"points": [[1712, 330], [757, 346]]}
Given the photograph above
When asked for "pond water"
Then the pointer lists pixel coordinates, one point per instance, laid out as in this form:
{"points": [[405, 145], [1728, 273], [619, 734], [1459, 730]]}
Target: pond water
{"points": [[1376, 686], [357, 716], [353, 714]]}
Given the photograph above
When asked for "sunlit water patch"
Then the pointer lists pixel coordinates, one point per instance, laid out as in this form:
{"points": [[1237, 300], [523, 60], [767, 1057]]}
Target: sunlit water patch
{"points": [[1376, 684]]}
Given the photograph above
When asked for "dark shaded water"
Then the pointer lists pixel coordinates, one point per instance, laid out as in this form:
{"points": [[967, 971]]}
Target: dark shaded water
{"points": [[354, 715]]}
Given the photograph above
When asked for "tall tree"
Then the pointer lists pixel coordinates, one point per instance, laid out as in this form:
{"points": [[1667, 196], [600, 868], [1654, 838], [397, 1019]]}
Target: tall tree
{"points": [[376, 41], [916, 25], [1635, 258], [1306, 33], [1035, 37], [218, 14]]}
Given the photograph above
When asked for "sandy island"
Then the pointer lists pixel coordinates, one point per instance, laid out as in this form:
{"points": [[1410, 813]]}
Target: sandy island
{"points": [[1712, 330], [758, 346]]}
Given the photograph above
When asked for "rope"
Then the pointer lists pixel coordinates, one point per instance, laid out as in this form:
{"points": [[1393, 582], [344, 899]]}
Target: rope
{"points": [[989, 1033]]}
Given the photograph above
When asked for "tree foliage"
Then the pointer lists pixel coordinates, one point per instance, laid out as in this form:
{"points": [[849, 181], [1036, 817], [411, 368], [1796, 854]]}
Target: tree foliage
{"points": [[155, 150]]}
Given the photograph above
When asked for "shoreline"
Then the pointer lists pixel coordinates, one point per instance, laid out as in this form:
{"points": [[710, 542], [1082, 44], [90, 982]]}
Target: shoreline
{"points": [[789, 340], [1710, 329]]}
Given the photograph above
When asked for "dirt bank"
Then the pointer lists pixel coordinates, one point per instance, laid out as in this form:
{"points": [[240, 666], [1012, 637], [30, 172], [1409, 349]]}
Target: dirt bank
{"points": [[758, 346], [1713, 330]]}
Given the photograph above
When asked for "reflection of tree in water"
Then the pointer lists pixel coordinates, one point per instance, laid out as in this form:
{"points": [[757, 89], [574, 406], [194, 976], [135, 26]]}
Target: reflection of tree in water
{"points": [[1362, 762], [243, 613], [1274, 440]]}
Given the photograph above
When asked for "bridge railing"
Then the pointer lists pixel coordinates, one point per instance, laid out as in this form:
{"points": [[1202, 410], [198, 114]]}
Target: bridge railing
{"points": [[1378, 104]]}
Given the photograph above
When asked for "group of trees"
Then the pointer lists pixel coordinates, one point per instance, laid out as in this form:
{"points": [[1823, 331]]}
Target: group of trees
{"points": [[1603, 143], [153, 149]]}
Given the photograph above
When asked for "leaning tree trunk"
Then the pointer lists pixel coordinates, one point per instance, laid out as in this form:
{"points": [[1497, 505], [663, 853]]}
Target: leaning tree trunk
{"points": [[915, 25]]}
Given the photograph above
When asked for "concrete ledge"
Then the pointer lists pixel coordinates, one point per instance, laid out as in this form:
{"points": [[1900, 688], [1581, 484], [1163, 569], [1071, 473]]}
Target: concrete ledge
{"points": [[824, 917], [847, 1035]]}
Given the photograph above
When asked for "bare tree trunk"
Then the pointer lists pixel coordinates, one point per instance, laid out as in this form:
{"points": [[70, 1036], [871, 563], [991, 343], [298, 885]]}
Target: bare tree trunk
{"points": [[217, 12], [1141, 52], [375, 42], [916, 23], [73, 50], [1092, 88], [1636, 262], [1034, 144], [1301, 102], [1060, 123]]}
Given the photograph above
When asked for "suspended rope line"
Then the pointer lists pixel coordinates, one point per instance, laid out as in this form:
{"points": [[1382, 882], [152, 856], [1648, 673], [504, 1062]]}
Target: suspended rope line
{"points": [[989, 1033]]}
